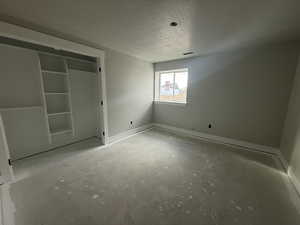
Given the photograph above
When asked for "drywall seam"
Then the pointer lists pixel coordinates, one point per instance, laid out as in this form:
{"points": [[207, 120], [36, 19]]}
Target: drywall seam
{"points": [[220, 140], [129, 133]]}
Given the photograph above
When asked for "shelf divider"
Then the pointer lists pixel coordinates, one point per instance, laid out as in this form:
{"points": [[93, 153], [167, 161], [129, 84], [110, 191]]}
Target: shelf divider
{"points": [[54, 72], [56, 93], [21, 108], [58, 113], [61, 131]]}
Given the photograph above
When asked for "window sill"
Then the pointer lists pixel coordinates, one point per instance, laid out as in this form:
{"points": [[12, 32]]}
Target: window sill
{"points": [[171, 103]]}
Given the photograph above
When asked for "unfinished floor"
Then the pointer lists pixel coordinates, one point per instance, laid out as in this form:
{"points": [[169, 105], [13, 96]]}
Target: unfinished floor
{"points": [[149, 179]]}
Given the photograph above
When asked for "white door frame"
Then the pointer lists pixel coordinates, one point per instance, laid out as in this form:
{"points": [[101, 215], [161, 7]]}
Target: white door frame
{"points": [[24, 34], [5, 167]]}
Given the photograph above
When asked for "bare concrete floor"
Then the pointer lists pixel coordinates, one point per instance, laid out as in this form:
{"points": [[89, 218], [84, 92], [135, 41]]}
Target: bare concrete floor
{"points": [[149, 179]]}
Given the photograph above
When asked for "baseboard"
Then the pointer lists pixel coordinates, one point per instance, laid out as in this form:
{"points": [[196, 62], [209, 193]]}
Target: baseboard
{"points": [[129, 133], [236, 143], [219, 140], [214, 139], [52, 149]]}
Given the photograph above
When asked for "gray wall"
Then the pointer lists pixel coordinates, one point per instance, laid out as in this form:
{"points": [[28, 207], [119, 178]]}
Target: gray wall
{"points": [[129, 94], [129, 85], [290, 142], [244, 95]]}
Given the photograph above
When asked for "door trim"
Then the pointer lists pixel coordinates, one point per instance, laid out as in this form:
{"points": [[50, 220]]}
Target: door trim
{"points": [[6, 169]]}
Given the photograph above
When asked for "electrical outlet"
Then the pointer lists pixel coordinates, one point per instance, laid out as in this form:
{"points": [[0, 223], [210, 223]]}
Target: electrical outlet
{"points": [[131, 122], [209, 125]]}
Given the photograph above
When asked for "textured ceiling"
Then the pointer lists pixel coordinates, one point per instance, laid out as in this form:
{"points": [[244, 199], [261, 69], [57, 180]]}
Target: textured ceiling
{"points": [[141, 27]]}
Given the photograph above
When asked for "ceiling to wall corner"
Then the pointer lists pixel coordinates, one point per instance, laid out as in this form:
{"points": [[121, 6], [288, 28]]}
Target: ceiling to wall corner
{"points": [[141, 28]]}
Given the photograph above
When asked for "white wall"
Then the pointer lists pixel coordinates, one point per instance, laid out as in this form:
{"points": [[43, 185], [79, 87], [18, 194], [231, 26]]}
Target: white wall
{"points": [[129, 85], [290, 142], [244, 95]]}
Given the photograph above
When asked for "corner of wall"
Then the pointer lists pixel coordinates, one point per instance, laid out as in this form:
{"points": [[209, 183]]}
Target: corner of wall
{"points": [[294, 179], [297, 71], [290, 129]]}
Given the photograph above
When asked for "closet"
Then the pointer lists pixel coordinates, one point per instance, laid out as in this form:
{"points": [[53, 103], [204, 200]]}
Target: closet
{"points": [[47, 98]]}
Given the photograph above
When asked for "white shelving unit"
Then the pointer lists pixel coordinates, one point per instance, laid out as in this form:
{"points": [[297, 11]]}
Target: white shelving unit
{"points": [[56, 91], [20, 108], [54, 72], [57, 114]]}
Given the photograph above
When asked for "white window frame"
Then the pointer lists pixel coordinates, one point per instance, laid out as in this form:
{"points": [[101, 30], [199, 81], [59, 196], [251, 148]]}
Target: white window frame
{"points": [[157, 84]]}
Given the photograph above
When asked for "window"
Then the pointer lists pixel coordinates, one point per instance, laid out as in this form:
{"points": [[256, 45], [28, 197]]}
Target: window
{"points": [[173, 86]]}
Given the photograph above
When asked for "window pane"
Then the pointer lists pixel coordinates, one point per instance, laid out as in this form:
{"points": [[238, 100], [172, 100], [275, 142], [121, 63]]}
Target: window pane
{"points": [[166, 86], [180, 87]]}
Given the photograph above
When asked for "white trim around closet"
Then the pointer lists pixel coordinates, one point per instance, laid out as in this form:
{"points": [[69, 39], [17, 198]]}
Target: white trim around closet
{"points": [[5, 167], [24, 34]]}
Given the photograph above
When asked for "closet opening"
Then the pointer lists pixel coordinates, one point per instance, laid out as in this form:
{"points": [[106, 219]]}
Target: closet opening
{"points": [[49, 98]]}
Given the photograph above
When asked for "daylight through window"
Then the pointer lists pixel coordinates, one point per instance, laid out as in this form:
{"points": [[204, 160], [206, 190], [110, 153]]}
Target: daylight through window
{"points": [[173, 86]]}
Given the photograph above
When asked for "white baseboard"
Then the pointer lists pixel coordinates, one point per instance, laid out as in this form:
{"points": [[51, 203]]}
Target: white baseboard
{"points": [[236, 143], [214, 139], [218, 139], [128, 133]]}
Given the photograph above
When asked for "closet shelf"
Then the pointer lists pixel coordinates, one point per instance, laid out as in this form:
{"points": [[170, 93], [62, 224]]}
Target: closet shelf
{"points": [[56, 93], [21, 108], [54, 72], [61, 131], [58, 113]]}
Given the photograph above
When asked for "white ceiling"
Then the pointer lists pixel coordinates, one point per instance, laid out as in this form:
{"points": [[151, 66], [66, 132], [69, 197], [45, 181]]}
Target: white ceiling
{"points": [[141, 27]]}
